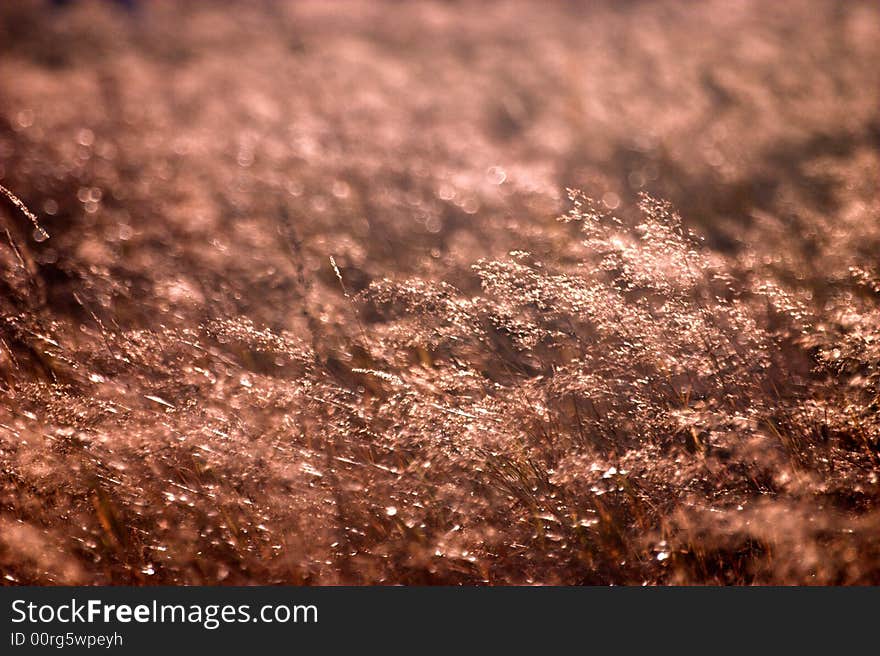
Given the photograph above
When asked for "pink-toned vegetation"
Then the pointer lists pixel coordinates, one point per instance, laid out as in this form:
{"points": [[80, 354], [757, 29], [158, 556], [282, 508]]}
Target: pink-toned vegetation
{"points": [[327, 298]]}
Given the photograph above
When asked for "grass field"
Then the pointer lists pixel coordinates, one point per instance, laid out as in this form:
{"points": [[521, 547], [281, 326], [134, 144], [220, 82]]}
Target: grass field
{"points": [[440, 292]]}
